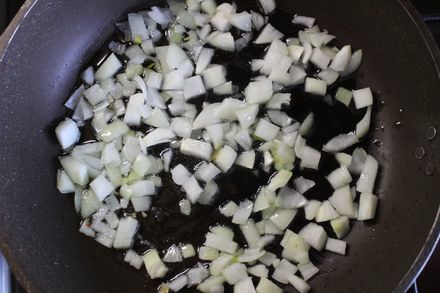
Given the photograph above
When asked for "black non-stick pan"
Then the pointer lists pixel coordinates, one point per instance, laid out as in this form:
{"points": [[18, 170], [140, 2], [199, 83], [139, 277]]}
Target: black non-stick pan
{"points": [[50, 41]]}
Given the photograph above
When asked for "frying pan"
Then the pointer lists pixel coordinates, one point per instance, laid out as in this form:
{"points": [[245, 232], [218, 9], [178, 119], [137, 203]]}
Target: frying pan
{"points": [[49, 42]]}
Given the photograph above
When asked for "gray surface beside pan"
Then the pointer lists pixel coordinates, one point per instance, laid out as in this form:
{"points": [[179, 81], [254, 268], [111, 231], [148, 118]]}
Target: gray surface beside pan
{"points": [[38, 229]]}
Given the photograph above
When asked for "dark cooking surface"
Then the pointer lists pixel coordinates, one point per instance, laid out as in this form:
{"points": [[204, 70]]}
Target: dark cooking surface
{"points": [[373, 86]]}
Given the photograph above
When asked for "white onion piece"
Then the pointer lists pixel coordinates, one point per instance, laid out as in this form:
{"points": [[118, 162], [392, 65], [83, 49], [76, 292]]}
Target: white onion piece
{"points": [[173, 80], [133, 259], [277, 100], [193, 87], [266, 285], [229, 209], [307, 124], [290, 199], [315, 86], [225, 158], [363, 98], [67, 133], [76, 170], [243, 212], [250, 255], [267, 5], [207, 172], [222, 41], [280, 179], [319, 58], [295, 52], [344, 96], [326, 212], [302, 184], [74, 99], [101, 187], [251, 235], [340, 226], [213, 284], [353, 65], [283, 271], [160, 15], [178, 283], [329, 75], [295, 247], [308, 270], [365, 183], [299, 284], [217, 266], [308, 50], [225, 89], [367, 206], [175, 56], [154, 265], [89, 204], [363, 126], [245, 286], [268, 34], [220, 243], [158, 136], [283, 217], [88, 75], [340, 142], [341, 59], [134, 113], [303, 20], [342, 201], [185, 207], [336, 246], [137, 27], [358, 160], [126, 230], [196, 148], [180, 174], [64, 184], [204, 59], [192, 189], [339, 177], [314, 235], [241, 21], [258, 92], [271, 229], [215, 134], [310, 157], [95, 95], [246, 116], [188, 250], [246, 159], [259, 271], [266, 130], [319, 39], [235, 273], [258, 20], [173, 255], [181, 126], [108, 68], [220, 21], [214, 76], [267, 258]]}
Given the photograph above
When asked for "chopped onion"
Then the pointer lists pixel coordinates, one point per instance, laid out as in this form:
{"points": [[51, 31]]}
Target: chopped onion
{"points": [[251, 234], [320, 39], [340, 142], [342, 201], [154, 265], [283, 271], [363, 98], [220, 243], [329, 75], [173, 255], [268, 34], [133, 259], [354, 63], [315, 86], [188, 251], [283, 217], [326, 212], [341, 59], [125, 233], [339, 177], [277, 100], [314, 235], [299, 284], [208, 195], [242, 21], [229, 209], [246, 159], [310, 157], [67, 133], [363, 126], [243, 212], [245, 285], [259, 271], [222, 41], [76, 170], [302, 184], [108, 68], [295, 248], [340, 226], [367, 206], [192, 189], [365, 183], [344, 96], [214, 76], [336, 246], [196, 148], [225, 158], [267, 5], [290, 199], [185, 207], [64, 184], [101, 187], [319, 58], [235, 273], [178, 283], [266, 285], [258, 92], [279, 180], [304, 20]]}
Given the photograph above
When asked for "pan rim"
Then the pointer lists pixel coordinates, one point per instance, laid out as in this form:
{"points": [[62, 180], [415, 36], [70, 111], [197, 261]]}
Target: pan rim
{"points": [[431, 240]]}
